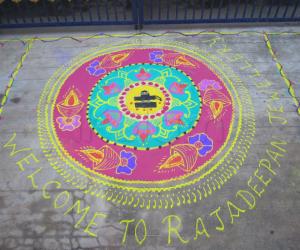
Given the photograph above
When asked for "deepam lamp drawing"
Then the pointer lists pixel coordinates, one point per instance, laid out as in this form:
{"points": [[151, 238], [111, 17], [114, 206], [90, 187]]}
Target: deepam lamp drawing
{"points": [[71, 105], [69, 108], [216, 101], [103, 158], [183, 156]]}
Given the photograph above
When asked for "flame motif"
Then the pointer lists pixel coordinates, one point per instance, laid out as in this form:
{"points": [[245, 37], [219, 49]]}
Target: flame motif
{"points": [[71, 105], [216, 108], [103, 159], [183, 156], [71, 99]]}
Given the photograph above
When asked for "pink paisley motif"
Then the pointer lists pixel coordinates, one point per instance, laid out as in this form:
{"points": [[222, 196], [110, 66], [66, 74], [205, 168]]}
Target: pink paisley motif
{"points": [[177, 88], [143, 75], [112, 88]]}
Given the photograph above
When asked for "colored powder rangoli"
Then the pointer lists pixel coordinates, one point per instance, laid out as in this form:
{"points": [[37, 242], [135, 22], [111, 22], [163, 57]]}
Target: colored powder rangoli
{"points": [[143, 117], [147, 111]]}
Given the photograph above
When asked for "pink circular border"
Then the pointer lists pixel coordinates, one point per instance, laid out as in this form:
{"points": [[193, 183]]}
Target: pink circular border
{"points": [[85, 136]]}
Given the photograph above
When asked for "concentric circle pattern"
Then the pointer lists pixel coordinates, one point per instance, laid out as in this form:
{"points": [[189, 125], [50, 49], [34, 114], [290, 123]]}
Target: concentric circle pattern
{"points": [[144, 118], [143, 106]]}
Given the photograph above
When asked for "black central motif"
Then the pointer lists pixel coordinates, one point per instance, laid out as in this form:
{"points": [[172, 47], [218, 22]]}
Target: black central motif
{"points": [[145, 100]]}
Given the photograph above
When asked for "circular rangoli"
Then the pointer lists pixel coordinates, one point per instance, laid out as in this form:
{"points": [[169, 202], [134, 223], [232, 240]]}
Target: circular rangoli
{"points": [[142, 117]]}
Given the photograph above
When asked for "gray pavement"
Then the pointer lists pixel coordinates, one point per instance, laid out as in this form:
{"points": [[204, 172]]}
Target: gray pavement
{"points": [[257, 208]]}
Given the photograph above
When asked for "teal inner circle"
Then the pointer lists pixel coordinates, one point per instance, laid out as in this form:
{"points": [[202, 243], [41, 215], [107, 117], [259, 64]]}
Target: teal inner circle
{"points": [[106, 118]]}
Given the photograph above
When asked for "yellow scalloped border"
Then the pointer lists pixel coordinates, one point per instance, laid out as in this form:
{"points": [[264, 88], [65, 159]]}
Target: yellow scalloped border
{"points": [[13, 75], [162, 197], [65, 156]]}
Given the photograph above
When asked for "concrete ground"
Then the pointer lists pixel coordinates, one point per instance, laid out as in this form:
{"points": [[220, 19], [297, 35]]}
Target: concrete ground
{"points": [[258, 208]]}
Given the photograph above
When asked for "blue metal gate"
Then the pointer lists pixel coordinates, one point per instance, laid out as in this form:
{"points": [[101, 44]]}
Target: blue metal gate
{"points": [[219, 11], [32, 13], [35, 13]]}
